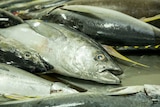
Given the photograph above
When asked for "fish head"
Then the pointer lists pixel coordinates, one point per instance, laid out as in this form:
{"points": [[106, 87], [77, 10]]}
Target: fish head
{"points": [[19, 55], [97, 65], [32, 61]]}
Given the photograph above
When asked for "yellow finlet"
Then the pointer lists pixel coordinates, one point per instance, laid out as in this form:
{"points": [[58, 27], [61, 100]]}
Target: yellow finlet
{"points": [[114, 53], [149, 19], [125, 47], [146, 47], [136, 47], [157, 46]]}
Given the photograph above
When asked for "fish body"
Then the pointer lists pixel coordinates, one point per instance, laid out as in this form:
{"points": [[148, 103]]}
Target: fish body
{"points": [[132, 96], [71, 53], [11, 2], [15, 53], [16, 81], [105, 26], [29, 5], [90, 99], [135, 8]]}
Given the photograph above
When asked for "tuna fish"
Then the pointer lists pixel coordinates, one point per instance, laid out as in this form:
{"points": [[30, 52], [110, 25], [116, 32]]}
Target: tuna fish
{"points": [[99, 99], [70, 52], [104, 25], [17, 81], [135, 8]]}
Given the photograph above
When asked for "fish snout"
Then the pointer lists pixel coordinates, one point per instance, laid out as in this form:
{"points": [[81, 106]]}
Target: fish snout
{"points": [[107, 77], [107, 74], [112, 68]]}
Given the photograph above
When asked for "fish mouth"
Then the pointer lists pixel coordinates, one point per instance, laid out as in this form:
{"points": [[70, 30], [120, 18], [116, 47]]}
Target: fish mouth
{"points": [[106, 77], [115, 71], [45, 66]]}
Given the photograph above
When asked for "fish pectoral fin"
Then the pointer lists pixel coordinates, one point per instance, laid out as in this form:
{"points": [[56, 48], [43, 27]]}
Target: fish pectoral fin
{"points": [[18, 97], [116, 54], [149, 19], [127, 90]]}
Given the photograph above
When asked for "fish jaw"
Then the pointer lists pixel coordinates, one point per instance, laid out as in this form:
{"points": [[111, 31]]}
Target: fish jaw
{"points": [[107, 73], [106, 77]]}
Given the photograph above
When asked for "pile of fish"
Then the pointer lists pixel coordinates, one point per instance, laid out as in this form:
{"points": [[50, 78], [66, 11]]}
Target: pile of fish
{"points": [[71, 40]]}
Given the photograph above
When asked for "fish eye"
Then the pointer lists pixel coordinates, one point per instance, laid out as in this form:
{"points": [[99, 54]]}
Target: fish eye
{"points": [[27, 55], [100, 57]]}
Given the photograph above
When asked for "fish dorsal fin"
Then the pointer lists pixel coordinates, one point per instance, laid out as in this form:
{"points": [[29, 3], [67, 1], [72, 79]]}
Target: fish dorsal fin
{"points": [[116, 54], [127, 90]]}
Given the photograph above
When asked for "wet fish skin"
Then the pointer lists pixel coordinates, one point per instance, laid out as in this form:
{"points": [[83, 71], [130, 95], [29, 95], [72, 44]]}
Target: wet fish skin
{"points": [[30, 5], [135, 8], [17, 81], [85, 56], [5, 3], [139, 95], [88, 99], [135, 96], [106, 26], [14, 53], [71, 53]]}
